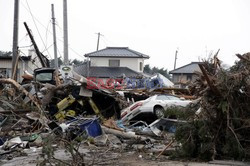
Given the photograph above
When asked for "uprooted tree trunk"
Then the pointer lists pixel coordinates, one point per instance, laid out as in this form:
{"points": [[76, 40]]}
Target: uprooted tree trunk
{"points": [[222, 129], [23, 90]]}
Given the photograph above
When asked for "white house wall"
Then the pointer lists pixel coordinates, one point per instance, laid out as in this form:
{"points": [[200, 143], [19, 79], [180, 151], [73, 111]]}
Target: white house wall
{"points": [[36, 63], [132, 63], [22, 66]]}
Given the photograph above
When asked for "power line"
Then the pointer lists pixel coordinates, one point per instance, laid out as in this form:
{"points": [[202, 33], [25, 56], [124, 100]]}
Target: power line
{"points": [[76, 53], [58, 26], [36, 25], [47, 49], [46, 38], [33, 18], [109, 42], [31, 61], [25, 46], [48, 31], [22, 38], [68, 44]]}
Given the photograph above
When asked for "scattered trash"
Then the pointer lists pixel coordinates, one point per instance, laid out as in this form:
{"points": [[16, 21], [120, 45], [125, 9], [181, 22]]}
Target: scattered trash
{"points": [[50, 111], [48, 114]]}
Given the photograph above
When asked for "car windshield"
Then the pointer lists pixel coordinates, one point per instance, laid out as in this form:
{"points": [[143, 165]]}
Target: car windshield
{"points": [[167, 97], [173, 98], [44, 77]]}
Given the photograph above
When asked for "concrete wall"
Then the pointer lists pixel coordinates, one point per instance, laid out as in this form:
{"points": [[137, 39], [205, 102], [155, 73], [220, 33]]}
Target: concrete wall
{"points": [[132, 63]]}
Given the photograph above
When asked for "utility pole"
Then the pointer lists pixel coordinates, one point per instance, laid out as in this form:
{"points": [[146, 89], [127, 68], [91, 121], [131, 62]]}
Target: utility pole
{"points": [[54, 38], [175, 59], [65, 32], [15, 41], [44, 63], [99, 34]]}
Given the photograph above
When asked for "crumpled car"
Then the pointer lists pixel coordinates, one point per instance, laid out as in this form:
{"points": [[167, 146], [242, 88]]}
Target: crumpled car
{"points": [[154, 105]]}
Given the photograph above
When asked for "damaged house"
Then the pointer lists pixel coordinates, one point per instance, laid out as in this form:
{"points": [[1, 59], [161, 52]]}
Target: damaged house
{"points": [[25, 64]]}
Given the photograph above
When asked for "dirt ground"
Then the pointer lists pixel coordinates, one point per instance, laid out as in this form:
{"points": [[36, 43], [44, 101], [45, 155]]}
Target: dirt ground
{"points": [[101, 156]]}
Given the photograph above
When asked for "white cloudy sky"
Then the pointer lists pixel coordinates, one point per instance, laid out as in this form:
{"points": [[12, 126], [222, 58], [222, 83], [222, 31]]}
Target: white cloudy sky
{"points": [[153, 27]]}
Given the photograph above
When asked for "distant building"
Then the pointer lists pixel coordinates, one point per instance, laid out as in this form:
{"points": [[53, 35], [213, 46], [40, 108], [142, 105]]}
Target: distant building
{"points": [[118, 57], [119, 63], [25, 63], [182, 76]]}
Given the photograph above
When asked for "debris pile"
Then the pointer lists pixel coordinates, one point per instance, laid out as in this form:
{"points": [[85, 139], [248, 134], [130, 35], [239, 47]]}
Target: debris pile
{"points": [[220, 129], [47, 114], [51, 114]]}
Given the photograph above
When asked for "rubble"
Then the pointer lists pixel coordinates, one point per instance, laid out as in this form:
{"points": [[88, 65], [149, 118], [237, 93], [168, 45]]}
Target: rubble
{"points": [[50, 115], [55, 115], [220, 128]]}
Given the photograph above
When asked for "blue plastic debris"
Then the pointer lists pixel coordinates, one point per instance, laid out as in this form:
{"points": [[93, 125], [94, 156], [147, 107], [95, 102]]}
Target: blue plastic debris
{"points": [[92, 127]]}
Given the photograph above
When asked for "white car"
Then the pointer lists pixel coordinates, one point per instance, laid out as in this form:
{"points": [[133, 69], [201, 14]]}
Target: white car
{"points": [[154, 105]]}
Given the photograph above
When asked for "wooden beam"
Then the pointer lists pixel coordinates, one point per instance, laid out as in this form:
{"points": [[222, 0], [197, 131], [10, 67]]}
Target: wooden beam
{"points": [[210, 83], [22, 89]]}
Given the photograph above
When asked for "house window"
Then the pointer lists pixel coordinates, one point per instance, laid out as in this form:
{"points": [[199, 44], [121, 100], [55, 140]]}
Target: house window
{"points": [[114, 63], [141, 68], [189, 77]]}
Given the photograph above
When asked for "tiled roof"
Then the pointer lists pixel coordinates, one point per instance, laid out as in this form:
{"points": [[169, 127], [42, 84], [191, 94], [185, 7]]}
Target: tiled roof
{"points": [[187, 69], [117, 52], [105, 72]]}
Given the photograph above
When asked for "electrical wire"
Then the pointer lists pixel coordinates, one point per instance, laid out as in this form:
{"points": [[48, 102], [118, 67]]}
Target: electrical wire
{"points": [[47, 30], [46, 38], [22, 38], [56, 23], [68, 44], [35, 24], [25, 46], [59, 52], [47, 49], [24, 61], [77, 53], [110, 42]]}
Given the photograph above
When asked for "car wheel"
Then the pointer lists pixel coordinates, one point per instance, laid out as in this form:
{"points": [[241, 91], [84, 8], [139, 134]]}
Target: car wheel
{"points": [[159, 112]]}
